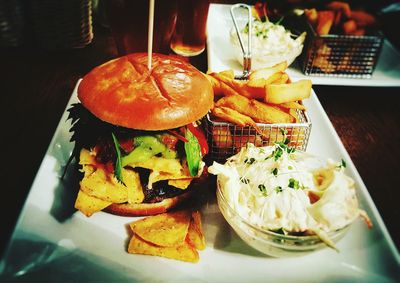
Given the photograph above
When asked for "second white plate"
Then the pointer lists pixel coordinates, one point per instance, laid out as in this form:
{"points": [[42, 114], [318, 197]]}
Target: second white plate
{"points": [[221, 56]]}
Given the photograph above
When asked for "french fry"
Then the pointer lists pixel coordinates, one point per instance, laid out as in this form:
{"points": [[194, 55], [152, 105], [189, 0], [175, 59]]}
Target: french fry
{"points": [[220, 88], [265, 73], [229, 74], [234, 102], [251, 91], [223, 77], [238, 86], [284, 78], [359, 32], [258, 111], [312, 16], [293, 113], [292, 105], [338, 19], [216, 85], [270, 114], [322, 59], [224, 82], [325, 22], [222, 138], [235, 117], [363, 18], [339, 15], [349, 27], [232, 116], [261, 83], [228, 90], [241, 140], [282, 93], [340, 7]]}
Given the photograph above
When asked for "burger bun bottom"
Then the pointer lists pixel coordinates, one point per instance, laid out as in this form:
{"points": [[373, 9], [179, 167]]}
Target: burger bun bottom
{"points": [[144, 209]]}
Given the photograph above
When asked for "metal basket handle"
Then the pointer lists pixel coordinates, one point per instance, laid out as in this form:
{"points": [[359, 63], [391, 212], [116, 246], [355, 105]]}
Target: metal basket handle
{"points": [[246, 53]]}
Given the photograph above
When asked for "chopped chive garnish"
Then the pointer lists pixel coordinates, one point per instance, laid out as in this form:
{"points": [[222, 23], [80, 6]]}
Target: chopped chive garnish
{"points": [[263, 189], [293, 183]]}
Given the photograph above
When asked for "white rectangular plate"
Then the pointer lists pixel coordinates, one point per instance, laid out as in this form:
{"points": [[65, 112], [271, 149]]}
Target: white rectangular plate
{"points": [[221, 56], [48, 246]]}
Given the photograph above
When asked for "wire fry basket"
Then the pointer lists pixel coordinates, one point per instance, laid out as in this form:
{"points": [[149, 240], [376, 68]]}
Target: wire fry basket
{"points": [[346, 56], [226, 139]]}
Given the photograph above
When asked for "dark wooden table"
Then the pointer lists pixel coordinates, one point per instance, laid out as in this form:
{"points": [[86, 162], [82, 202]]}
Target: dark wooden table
{"points": [[35, 86]]}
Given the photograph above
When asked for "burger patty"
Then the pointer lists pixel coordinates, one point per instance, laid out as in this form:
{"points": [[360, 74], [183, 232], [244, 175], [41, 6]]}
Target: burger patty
{"points": [[160, 190]]}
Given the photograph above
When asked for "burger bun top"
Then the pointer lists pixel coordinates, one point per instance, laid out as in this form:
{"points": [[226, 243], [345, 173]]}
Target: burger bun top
{"points": [[125, 93]]}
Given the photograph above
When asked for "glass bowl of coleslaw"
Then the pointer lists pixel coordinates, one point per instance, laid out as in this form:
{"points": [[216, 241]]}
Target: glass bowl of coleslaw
{"points": [[285, 202]]}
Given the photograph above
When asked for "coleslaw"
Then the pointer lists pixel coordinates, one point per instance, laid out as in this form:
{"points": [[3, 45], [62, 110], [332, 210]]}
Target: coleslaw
{"points": [[271, 44], [280, 189]]}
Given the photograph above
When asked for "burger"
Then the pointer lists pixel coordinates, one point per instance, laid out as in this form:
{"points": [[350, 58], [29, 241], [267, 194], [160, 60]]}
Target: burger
{"points": [[138, 139]]}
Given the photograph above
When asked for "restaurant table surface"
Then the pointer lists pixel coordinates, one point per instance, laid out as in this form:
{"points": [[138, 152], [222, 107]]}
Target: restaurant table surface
{"points": [[36, 84]]}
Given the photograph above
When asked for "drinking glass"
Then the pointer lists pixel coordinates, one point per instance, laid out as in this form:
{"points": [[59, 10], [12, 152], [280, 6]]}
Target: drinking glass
{"points": [[189, 37]]}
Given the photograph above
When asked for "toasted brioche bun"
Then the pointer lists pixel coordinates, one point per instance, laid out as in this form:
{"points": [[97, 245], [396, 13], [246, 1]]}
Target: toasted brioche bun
{"points": [[123, 92], [144, 209]]}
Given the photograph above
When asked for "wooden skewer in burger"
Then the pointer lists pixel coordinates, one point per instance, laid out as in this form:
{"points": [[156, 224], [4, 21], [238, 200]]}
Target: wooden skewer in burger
{"points": [[136, 134]]}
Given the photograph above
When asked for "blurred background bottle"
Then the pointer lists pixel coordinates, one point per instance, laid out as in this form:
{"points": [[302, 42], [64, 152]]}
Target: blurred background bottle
{"points": [[12, 22], [189, 37], [128, 20]]}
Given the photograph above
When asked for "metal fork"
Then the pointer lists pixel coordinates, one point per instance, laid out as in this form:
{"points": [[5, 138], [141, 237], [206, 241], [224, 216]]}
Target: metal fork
{"points": [[246, 53]]}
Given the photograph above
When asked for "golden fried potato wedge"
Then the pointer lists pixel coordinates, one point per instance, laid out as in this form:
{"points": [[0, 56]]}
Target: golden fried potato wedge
{"points": [[282, 93], [266, 73], [222, 138], [232, 116], [229, 74], [292, 105], [283, 79], [235, 117], [231, 86], [340, 6], [258, 111], [263, 82], [312, 16], [363, 19], [214, 83], [325, 22]]}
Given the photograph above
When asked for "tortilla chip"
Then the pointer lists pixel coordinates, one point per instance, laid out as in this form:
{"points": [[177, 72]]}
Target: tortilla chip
{"points": [[166, 229], [135, 190], [156, 176], [195, 233], [103, 185], [160, 164], [86, 157], [184, 251], [180, 183], [88, 204]]}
